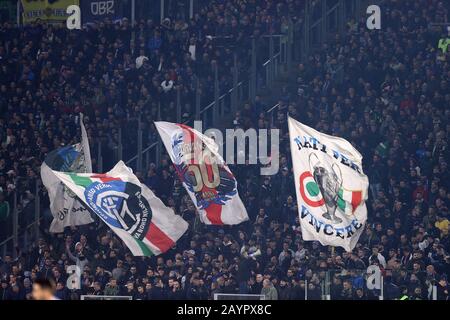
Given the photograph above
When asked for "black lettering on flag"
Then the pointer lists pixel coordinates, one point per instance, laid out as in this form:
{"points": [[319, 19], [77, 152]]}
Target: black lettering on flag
{"points": [[328, 233], [306, 144], [318, 225], [335, 154], [345, 161], [304, 212], [349, 231], [356, 224], [299, 143], [339, 232], [355, 167], [311, 219], [314, 142]]}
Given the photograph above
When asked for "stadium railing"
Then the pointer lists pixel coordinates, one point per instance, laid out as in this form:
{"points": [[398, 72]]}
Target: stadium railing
{"points": [[94, 297], [237, 296], [246, 84], [22, 225], [375, 285]]}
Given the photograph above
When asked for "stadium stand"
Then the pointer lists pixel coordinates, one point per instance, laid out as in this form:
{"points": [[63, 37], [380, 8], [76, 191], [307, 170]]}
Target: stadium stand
{"points": [[387, 92]]}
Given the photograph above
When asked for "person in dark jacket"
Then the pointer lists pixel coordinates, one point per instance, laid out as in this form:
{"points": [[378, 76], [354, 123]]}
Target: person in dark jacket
{"points": [[17, 293], [140, 294], [298, 290], [244, 272], [97, 289], [158, 291], [176, 292], [360, 295], [61, 291], [4, 216], [336, 288], [130, 290], [391, 291], [258, 284], [196, 291], [314, 292], [5, 291], [443, 289], [284, 290], [347, 291]]}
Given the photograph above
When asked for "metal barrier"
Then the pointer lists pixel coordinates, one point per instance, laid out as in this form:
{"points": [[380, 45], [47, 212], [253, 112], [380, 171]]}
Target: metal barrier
{"points": [[246, 84], [270, 55], [324, 19], [143, 159], [365, 284], [23, 221]]}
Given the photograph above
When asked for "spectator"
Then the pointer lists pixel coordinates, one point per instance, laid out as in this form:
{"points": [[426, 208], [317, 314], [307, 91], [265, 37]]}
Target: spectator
{"points": [[112, 289], [442, 289], [4, 217], [384, 92], [269, 291]]}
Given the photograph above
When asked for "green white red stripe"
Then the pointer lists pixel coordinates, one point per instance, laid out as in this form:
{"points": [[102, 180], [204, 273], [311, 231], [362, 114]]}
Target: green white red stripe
{"points": [[349, 200], [163, 229]]}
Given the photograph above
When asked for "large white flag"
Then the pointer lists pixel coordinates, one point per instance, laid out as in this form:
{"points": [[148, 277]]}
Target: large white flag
{"points": [[129, 208], [65, 208], [331, 186], [205, 175]]}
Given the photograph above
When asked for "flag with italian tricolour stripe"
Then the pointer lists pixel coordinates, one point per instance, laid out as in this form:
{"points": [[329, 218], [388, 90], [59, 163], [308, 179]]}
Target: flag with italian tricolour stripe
{"points": [[331, 186], [349, 200], [129, 208]]}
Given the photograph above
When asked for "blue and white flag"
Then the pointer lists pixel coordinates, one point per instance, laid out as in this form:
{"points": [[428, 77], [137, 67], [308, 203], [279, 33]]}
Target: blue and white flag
{"points": [[66, 209]]}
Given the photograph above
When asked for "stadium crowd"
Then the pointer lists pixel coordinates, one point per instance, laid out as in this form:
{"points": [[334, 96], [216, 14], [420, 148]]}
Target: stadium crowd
{"points": [[385, 91]]}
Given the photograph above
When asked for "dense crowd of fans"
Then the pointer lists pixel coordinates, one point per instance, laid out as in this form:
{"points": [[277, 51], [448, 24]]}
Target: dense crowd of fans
{"points": [[385, 91]]}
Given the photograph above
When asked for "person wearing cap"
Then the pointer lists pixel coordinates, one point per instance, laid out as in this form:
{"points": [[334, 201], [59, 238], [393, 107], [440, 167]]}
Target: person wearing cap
{"points": [[78, 256]]}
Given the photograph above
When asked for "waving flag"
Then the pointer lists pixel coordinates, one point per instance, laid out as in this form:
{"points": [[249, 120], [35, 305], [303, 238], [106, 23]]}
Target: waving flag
{"points": [[65, 208], [129, 208], [331, 186], [205, 175]]}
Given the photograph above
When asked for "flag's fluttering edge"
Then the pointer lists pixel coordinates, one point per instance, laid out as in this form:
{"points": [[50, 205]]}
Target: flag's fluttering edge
{"points": [[204, 174], [331, 186], [129, 208], [65, 208]]}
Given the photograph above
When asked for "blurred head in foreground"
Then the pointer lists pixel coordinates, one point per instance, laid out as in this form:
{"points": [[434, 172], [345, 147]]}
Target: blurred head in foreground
{"points": [[43, 289]]}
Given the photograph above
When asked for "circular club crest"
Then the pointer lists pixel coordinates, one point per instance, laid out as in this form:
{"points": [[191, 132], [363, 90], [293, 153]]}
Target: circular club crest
{"points": [[310, 191], [122, 205]]}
